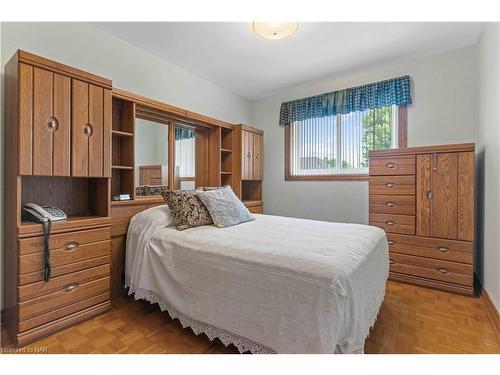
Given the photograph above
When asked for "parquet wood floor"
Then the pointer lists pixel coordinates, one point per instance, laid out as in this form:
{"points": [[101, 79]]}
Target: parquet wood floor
{"points": [[412, 320]]}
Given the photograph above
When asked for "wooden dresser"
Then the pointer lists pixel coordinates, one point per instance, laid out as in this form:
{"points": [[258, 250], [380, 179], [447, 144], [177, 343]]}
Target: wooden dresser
{"points": [[423, 197], [57, 152], [153, 174]]}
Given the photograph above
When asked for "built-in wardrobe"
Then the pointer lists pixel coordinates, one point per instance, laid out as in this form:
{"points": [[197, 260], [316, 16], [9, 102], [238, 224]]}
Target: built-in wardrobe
{"points": [[423, 197], [69, 143]]}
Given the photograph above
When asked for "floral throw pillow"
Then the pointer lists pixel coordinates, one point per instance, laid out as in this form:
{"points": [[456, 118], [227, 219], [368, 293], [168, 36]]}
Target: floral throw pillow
{"points": [[187, 209]]}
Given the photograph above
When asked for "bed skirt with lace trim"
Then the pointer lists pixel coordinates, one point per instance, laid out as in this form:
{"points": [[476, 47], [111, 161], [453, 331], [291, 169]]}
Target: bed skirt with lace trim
{"points": [[243, 344]]}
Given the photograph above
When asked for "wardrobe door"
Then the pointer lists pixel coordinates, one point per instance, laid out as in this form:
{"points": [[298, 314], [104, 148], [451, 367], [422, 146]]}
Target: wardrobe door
{"points": [[51, 121], [444, 210], [465, 198], [247, 155], [91, 130], [424, 195], [257, 161], [80, 132]]}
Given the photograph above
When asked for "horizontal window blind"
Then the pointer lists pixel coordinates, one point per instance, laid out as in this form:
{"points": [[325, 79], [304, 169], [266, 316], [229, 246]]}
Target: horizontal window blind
{"points": [[336, 145]]}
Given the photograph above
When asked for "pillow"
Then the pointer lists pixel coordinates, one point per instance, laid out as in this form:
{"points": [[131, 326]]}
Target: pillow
{"points": [[187, 209], [224, 206]]}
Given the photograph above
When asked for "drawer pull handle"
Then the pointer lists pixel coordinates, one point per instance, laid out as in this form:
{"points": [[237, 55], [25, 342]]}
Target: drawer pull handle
{"points": [[88, 130], [443, 249], [390, 185], [444, 271], [70, 287], [70, 246], [391, 242], [390, 165], [390, 222], [390, 204]]}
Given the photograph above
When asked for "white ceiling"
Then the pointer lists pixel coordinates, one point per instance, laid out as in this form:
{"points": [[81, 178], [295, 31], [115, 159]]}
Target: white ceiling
{"points": [[232, 56]]}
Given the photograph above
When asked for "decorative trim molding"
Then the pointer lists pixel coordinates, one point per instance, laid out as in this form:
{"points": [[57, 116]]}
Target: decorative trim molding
{"points": [[491, 310]]}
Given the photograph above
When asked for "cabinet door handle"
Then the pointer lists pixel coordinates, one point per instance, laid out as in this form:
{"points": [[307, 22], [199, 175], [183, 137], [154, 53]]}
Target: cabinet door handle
{"points": [[390, 185], [444, 271], [390, 204], [391, 242], [443, 249], [248, 155], [434, 162], [87, 129], [390, 165], [70, 246], [390, 222], [52, 124], [257, 156], [70, 287], [429, 194]]}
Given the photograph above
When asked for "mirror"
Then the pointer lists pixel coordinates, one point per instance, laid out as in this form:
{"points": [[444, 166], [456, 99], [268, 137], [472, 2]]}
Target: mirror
{"points": [[151, 154], [185, 158]]}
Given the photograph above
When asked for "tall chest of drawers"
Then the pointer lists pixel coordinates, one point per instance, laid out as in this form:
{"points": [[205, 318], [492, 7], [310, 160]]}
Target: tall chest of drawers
{"points": [[423, 198]]}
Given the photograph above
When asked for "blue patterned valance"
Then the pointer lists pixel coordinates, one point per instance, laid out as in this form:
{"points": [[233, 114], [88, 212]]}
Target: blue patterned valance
{"points": [[394, 91], [183, 133]]}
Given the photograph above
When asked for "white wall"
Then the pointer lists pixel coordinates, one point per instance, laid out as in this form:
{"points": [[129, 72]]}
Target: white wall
{"points": [[83, 46], [488, 162], [443, 111]]}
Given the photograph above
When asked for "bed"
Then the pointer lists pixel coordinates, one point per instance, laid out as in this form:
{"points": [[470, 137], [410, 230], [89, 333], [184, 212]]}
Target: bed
{"points": [[276, 284]]}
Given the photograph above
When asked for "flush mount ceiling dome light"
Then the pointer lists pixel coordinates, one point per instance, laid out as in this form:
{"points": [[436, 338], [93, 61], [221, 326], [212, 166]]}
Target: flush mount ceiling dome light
{"points": [[275, 30]]}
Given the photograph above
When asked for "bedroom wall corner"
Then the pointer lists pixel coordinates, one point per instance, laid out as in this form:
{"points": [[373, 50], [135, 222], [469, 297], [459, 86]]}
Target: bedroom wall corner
{"points": [[487, 134]]}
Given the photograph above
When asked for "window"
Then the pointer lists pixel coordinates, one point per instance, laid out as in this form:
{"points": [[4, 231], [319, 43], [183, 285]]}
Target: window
{"points": [[185, 158], [337, 146]]}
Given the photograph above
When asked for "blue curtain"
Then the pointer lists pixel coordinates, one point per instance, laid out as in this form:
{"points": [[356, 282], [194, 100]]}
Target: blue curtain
{"points": [[183, 133], [394, 91]]}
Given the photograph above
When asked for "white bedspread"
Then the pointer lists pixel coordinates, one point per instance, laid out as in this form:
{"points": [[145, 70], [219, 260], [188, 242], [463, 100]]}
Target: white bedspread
{"points": [[292, 285]]}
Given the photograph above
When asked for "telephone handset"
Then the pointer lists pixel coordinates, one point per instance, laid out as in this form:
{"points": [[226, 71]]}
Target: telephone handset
{"points": [[45, 215], [41, 214]]}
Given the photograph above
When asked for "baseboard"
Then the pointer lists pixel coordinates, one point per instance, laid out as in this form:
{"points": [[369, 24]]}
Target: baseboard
{"points": [[490, 307]]}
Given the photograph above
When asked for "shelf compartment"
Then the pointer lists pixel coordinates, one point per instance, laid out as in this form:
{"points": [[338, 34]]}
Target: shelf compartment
{"points": [[226, 139]]}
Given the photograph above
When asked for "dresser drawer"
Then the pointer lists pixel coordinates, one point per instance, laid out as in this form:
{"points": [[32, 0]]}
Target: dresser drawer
{"points": [[66, 310], [391, 223], [392, 204], [434, 269], [62, 283], [64, 240], [404, 185], [63, 297], [454, 251], [70, 254], [392, 165]]}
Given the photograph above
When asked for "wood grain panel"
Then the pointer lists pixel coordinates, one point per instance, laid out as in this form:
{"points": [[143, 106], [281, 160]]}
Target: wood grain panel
{"points": [[437, 249], [247, 155], [255, 209], [25, 152], [395, 204], [431, 268], [60, 283], [95, 140], [65, 269], [106, 134], [424, 185], [444, 202], [121, 215], [258, 156], [42, 111], [404, 185], [117, 266], [79, 118], [60, 241], [465, 197], [61, 164], [392, 165], [403, 224], [37, 306], [34, 262], [62, 312]]}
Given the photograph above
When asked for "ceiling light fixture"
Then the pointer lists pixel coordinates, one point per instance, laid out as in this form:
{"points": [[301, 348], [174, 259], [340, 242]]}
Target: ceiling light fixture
{"points": [[275, 30]]}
